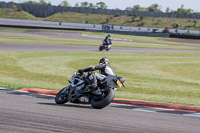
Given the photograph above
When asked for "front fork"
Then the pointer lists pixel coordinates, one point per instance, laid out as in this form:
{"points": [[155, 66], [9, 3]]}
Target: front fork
{"points": [[65, 90]]}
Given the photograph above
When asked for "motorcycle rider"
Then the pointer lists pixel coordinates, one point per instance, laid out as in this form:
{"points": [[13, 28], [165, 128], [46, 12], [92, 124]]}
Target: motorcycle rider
{"points": [[107, 40], [104, 70]]}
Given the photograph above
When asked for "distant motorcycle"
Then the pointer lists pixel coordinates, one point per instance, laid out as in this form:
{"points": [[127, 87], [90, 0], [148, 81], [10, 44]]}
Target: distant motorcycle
{"points": [[105, 46], [79, 92]]}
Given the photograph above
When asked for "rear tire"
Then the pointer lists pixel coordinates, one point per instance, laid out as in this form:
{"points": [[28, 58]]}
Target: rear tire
{"points": [[107, 49], [99, 104], [61, 96]]}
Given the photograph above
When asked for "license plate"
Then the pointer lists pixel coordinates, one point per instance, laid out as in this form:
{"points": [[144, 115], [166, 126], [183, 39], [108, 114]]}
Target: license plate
{"points": [[119, 83]]}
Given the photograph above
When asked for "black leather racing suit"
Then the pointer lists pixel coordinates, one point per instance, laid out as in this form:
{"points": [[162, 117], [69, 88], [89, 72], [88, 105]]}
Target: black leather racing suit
{"points": [[104, 71], [107, 41]]}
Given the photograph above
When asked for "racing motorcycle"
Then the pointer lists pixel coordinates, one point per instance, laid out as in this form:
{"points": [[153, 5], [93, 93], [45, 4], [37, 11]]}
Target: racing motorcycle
{"points": [[105, 46], [79, 91]]}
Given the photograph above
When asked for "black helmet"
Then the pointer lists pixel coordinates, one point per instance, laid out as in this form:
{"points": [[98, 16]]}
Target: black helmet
{"points": [[109, 35], [104, 61]]}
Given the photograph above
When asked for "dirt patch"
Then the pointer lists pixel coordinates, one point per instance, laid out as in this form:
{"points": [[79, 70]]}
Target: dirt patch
{"points": [[183, 40]]}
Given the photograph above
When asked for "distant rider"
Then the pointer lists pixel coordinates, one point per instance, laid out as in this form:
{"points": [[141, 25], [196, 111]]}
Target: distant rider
{"points": [[104, 70], [107, 40]]}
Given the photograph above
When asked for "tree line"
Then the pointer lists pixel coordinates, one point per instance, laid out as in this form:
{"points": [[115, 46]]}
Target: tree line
{"points": [[65, 3], [157, 8], [102, 5]]}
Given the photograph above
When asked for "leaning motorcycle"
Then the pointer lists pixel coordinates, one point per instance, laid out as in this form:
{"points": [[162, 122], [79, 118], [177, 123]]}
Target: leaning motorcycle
{"points": [[79, 91], [105, 46]]}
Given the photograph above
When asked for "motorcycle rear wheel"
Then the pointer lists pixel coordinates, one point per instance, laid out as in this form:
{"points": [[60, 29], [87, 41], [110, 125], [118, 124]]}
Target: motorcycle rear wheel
{"points": [[107, 49], [102, 103], [61, 97]]}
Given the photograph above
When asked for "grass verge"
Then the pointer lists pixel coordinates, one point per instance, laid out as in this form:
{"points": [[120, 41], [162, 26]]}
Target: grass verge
{"points": [[41, 39], [172, 78]]}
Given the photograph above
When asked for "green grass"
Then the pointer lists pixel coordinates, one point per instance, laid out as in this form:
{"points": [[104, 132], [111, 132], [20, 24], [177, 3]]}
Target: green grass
{"points": [[12, 29], [13, 38], [124, 20], [172, 78], [97, 34], [16, 14], [136, 38]]}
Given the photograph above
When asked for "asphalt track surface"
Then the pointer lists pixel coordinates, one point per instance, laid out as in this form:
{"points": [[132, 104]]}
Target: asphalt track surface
{"points": [[72, 48], [21, 113], [139, 103]]}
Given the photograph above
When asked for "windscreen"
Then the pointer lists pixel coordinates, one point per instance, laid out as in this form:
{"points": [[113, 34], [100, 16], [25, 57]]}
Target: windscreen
{"points": [[109, 71]]}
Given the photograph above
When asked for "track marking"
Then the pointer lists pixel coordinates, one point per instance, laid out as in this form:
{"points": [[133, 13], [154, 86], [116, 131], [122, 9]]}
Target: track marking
{"points": [[155, 110]]}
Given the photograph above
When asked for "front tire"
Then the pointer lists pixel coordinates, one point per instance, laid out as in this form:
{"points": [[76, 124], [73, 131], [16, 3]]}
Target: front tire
{"points": [[100, 48], [62, 96], [102, 103]]}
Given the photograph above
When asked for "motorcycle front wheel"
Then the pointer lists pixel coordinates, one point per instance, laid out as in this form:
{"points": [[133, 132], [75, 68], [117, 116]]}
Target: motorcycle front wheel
{"points": [[100, 48], [62, 96], [104, 100]]}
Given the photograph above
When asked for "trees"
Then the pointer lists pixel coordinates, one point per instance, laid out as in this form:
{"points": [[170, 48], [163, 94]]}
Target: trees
{"points": [[154, 8], [129, 8], [136, 8], [76, 5], [157, 8], [64, 3], [30, 2], [84, 4], [167, 10], [41, 2], [91, 5], [101, 5], [181, 10]]}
